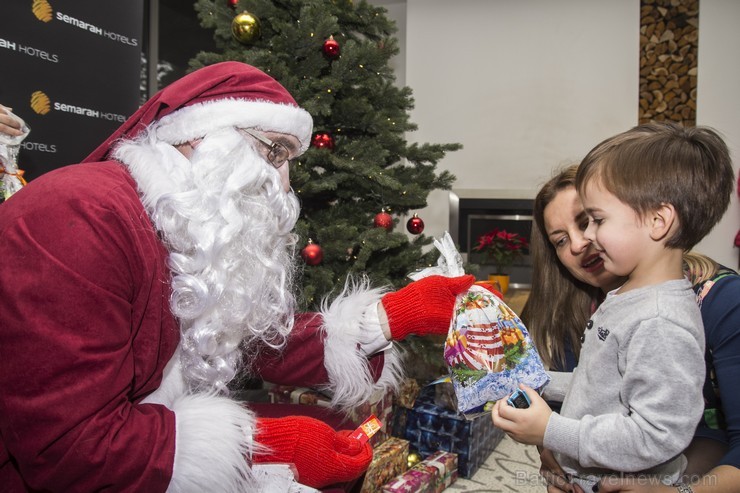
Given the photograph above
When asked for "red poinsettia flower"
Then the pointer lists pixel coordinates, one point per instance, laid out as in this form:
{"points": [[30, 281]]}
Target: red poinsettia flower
{"points": [[501, 247]]}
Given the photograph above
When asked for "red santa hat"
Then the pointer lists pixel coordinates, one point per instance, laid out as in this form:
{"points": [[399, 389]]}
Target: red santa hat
{"points": [[227, 94]]}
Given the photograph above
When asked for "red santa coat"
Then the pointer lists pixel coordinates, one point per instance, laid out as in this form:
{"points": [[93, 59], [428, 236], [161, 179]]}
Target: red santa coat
{"points": [[86, 333]]}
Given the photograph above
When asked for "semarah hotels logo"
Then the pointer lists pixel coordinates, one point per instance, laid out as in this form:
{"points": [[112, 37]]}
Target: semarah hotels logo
{"points": [[42, 10], [40, 103]]}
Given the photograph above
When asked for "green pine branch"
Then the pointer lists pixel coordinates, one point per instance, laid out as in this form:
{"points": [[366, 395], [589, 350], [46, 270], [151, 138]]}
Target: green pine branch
{"points": [[354, 98]]}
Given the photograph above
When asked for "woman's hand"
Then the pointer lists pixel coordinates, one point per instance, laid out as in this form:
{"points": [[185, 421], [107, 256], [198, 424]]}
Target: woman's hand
{"points": [[557, 481], [9, 125]]}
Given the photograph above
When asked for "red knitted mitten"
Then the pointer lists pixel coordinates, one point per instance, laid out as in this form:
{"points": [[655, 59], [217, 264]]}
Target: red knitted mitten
{"points": [[425, 306], [321, 455]]}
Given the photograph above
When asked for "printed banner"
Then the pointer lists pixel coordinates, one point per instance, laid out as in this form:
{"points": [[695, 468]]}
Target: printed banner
{"points": [[72, 70]]}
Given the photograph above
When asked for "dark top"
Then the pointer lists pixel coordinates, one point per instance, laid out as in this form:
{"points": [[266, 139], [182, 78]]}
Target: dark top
{"points": [[720, 310]]}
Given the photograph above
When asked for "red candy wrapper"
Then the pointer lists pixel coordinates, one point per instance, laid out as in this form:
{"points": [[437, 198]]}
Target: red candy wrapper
{"points": [[367, 429]]}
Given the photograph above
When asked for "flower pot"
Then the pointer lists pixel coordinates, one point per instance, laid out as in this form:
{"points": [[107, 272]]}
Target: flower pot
{"points": [[499, 281]]}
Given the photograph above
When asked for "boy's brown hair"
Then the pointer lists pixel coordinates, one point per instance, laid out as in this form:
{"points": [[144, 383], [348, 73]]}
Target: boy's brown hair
{"points": [[664, 163]]}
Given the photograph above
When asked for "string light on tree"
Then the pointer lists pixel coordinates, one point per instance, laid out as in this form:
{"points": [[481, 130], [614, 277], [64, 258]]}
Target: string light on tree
{"points": [[312, 253], [246, 28], [233, 3], [415, 225], [383, 220], [331, 48], [352, 253], [323, 140]]}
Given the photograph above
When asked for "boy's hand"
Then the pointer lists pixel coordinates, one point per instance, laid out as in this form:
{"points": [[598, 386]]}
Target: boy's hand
{"points": [[523, 425]]}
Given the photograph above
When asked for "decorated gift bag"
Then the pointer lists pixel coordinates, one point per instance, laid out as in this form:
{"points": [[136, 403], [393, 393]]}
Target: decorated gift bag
{"points": [[488, 349], [11, 178]]}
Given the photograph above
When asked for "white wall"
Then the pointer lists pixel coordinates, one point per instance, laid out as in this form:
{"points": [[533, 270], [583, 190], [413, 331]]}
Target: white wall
{"points": [[397, 12], [718, 106], [529, 85]]}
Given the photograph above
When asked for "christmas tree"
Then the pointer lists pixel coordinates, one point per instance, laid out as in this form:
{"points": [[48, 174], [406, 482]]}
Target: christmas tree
{"points": [[360, 176]]}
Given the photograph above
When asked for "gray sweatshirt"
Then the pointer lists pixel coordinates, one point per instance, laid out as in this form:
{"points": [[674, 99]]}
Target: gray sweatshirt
{"points": [[636, 396]]}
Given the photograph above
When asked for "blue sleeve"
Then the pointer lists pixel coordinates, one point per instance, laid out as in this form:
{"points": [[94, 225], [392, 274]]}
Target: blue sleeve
{"points": [[720, 312]]}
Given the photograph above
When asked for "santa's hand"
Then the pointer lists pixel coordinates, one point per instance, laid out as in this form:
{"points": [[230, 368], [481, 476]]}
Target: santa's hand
{"points": [[321, 455], [425, 306]]}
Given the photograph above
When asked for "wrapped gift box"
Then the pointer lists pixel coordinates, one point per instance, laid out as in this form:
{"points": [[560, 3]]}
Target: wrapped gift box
{"points": [[407, 393], [380, 405], [416, 480], [389, 460], [446, 464], [430, 428], [431, 475], [284, 394], [398, 420], [404, 399]]}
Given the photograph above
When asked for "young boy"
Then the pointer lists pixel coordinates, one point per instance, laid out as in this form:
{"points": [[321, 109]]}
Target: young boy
{"points": [[636, 396]]}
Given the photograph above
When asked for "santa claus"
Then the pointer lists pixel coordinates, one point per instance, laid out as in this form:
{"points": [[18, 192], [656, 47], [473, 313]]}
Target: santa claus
{"points": [[137, 284]]}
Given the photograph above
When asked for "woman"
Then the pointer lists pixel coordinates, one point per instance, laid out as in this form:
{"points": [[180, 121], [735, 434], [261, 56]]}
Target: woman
{"points": [[569, 281]]}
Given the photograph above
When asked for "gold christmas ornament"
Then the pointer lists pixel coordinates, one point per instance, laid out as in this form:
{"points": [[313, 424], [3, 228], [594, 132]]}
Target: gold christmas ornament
{"points": [[413, 459], [246, 28]]}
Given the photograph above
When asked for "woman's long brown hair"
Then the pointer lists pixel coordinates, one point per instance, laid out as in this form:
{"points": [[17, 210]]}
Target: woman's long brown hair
{"points": [[559, 305]]}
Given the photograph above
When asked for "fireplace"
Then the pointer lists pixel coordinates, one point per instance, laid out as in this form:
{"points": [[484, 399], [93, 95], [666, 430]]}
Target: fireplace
{"points": [[475, 212]]}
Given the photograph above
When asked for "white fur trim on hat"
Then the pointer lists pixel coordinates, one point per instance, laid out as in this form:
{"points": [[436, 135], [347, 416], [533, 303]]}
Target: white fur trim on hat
{"points": [[195, 121]]}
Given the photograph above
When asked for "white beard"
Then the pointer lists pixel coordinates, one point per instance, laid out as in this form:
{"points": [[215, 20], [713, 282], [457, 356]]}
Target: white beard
{"points": [[227, 223]]}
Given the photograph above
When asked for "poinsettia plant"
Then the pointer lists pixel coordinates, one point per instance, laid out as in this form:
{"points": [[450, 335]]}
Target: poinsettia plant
{"points": [[501, 248]]}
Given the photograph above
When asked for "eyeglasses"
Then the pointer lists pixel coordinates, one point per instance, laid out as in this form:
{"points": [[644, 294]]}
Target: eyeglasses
{"points": [[278, 154]]}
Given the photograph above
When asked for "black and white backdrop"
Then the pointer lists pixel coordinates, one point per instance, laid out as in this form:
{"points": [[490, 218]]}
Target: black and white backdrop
{"points": [[72, 70]]}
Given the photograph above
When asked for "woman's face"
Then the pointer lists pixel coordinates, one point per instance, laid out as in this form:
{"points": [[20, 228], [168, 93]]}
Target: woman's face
{"points": [[565, 223]]}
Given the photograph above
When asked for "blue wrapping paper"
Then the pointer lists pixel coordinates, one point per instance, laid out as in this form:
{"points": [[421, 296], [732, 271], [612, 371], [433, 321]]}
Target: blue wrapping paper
{"points": [[431, 428]]}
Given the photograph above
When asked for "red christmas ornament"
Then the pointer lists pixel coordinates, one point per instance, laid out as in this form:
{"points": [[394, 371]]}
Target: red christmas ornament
{"points": [[323, 140], [312, 253], [383, 220], [331, 48], [415, 225], [233, 3]]}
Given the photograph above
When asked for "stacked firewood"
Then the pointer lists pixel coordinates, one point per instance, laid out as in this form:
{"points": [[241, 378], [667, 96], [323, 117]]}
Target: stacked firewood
{"points": [[669, 47]]}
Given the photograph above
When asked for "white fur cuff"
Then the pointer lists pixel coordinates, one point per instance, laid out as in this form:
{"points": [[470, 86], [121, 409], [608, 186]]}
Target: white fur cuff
{"points": [[214, 439], [347, 327]]}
